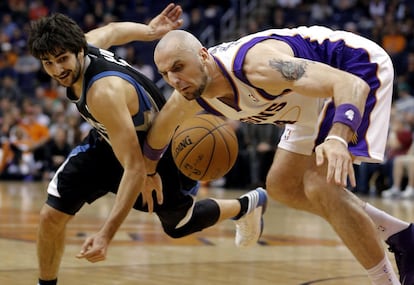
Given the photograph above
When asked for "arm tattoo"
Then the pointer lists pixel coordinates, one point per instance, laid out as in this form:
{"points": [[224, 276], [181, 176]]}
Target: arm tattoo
{"points": [[289, 70]]}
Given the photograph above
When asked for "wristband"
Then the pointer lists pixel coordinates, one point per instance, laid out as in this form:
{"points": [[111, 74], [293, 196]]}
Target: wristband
{"points": [[153, 154], [349, 115], [338, 138]]}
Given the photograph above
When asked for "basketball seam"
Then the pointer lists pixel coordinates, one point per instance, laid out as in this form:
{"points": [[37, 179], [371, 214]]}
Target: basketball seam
{"points": [[214, 125], [195, 145]]}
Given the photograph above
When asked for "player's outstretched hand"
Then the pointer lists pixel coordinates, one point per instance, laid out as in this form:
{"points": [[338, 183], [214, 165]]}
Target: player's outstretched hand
{"points": [[94, 248], [340, 166], [169, 19]]}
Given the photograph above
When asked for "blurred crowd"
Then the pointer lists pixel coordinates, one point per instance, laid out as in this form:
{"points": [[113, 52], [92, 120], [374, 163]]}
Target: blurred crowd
{"points": [[38, 126]]}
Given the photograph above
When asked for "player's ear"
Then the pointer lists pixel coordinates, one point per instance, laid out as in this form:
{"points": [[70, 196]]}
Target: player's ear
{"points": [[81, 54], [203, 53]]}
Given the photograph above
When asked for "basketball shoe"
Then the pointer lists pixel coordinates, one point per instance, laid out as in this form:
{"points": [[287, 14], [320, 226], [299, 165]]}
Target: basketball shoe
{"points": [[402, 245], [250, 226], [408, 193], [391, 193]]}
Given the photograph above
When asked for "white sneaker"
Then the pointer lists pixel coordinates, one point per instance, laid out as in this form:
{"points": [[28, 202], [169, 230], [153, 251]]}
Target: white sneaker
{"points": [[392, 192], [407, 193], [250, 226]]}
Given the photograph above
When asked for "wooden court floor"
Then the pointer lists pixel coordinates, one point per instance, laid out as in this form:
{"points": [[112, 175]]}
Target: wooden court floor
{"points": [[296, 248]]}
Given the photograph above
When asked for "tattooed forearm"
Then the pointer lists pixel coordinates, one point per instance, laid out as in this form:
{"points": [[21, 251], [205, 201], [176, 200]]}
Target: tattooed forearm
{"points": [[289, 70]]}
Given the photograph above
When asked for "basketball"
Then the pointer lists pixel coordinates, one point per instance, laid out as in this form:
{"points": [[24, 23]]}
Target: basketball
{"points": [[205, 148]]}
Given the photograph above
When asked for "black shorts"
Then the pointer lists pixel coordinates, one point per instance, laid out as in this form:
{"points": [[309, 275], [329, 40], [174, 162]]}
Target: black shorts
{"points": [[92, 170]]}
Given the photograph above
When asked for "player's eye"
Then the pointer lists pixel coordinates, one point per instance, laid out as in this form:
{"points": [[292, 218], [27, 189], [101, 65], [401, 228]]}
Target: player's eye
{"points": [[62, 59]]}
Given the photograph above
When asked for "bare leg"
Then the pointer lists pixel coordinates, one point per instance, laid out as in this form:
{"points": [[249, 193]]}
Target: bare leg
{"points": [[50, 241], [296, 181], [410, 167], [228, 208], [398, 172]]}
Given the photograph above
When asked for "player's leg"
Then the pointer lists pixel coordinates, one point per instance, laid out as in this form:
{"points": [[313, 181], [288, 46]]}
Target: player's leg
{"points": [[181, 214], [50, 243], [397, 173], [409, 190], [189, 216], [295, 180], [90, 171]]}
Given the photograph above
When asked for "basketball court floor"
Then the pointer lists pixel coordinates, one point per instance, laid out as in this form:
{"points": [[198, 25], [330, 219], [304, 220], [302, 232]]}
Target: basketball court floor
{"points": [[296, 248]]}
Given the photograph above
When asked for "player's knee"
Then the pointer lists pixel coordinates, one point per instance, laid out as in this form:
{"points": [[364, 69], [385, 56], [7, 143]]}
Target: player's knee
{"points": [[281, 189], [205, 214], [52, 220], [323, 196], [177, 233], [314, 186]]}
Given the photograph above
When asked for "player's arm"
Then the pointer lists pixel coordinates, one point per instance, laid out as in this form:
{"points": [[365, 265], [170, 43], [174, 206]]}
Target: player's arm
{"points": [[118, 33], [175, 111], [271, 66], [111, 109]]}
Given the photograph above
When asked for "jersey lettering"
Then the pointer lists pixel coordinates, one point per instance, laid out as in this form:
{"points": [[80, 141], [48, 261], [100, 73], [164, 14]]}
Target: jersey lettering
{"points": [[223, 47], [265, 114], [110, 56]]}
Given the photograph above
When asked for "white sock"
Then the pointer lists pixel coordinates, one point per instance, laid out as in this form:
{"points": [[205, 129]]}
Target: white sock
{"points": [[386, 224], [383, 273]]}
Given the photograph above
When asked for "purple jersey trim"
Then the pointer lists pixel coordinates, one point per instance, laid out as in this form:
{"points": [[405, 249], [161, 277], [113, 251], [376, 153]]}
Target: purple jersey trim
{"points": [[336, 54], [207, 106], [238, 66]]}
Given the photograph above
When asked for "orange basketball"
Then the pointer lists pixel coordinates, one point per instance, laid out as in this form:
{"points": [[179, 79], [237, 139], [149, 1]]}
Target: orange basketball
{"points": [[205, 148]]}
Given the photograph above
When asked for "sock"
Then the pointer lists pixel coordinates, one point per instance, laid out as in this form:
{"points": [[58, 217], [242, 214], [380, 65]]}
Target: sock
{"points": [[244, 205], [386, 224], [47, 282], [383, 273]]}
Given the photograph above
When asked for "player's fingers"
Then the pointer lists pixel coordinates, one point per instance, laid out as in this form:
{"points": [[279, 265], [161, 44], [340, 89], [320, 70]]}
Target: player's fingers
{"points": [[319, 156], [351, 174], [150, 203], [95, 258], [338, 172], [85, 246], [178, 23], [160, 196], [167, 10], [176, 13], [172, 11], [344, 174], [330, 173]]}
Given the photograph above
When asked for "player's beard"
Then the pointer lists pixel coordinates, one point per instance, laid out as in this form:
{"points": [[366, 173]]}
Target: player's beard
{"points": [[77, 71], [74, 75], [200, 90]]}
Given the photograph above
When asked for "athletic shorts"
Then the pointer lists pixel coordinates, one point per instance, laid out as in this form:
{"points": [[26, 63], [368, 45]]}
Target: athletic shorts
{"points": [[92, 170], [374, 66]]}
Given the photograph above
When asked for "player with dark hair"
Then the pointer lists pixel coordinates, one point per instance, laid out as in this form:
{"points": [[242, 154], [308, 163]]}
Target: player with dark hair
{"points": [[120, 103], [332, 92]]}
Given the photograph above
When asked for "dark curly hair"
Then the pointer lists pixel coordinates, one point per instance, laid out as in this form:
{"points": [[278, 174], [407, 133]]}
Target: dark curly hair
{"points": [[55, 34]]}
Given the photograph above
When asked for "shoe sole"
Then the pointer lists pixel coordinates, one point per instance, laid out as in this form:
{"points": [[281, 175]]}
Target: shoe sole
{"points": [[257, 213]]}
